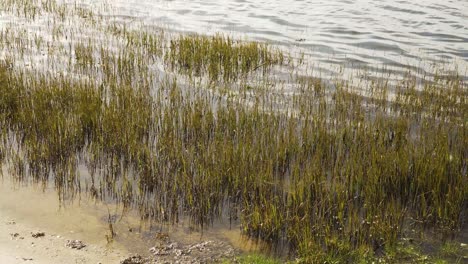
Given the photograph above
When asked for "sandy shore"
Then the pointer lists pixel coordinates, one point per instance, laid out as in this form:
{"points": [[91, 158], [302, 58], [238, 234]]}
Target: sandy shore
{"points": [[17, 245], [29, 209]]}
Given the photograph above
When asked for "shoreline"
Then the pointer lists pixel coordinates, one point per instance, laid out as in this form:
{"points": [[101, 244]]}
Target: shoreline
{"points": [[28, 210], [39, 232], [17, 245]]}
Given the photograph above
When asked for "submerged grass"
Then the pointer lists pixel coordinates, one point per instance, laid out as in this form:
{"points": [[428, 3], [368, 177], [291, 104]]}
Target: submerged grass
{"points": [[335, 175]]}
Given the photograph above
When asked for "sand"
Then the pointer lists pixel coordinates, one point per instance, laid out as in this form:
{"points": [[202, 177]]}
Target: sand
{"points": [[17, 245]]}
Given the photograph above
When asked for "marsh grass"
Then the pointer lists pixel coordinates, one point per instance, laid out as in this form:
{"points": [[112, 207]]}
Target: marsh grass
{"points": [[220, 56], [334, 179], [336, 174]]}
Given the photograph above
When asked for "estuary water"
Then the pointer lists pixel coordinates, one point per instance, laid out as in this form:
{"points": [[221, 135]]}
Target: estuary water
{"points": [[379, 34]]}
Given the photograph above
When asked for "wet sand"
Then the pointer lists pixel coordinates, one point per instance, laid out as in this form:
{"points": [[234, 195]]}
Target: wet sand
{"points": [[28, 209], [25, 210], [18, 246]]}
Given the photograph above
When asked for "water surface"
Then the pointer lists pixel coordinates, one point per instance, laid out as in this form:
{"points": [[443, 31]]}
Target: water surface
{"points": [[387, 33]]}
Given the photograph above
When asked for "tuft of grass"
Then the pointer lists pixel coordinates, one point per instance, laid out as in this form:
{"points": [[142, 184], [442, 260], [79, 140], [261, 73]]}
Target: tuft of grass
{"points": [[220, 56]]}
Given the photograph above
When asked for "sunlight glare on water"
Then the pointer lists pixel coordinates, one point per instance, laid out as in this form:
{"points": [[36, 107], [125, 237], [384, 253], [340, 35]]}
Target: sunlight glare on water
{"points": [[336, 32]]}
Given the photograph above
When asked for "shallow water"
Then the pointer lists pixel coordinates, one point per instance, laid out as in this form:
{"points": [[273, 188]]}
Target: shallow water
{"points": [[88, 220], [364, 33]]}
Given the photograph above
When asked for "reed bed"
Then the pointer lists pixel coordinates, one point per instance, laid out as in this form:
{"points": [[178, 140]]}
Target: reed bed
{"points": [[334, 174]]}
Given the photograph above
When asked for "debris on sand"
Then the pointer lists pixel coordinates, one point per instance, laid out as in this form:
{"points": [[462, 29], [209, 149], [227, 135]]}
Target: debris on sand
{"points": [[75, 244], [16, 236], [38, 234], [137, 259], [204, 252], [164, 250], [201, 246]]}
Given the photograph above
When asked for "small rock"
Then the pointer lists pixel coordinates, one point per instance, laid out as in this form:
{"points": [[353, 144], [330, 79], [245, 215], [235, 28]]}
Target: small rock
{"points": [[164, 250], [172, 246], [75, 244], [27, 259], [14, 235], [159, 251], [38, 234], [201, 246], [178, 252]]}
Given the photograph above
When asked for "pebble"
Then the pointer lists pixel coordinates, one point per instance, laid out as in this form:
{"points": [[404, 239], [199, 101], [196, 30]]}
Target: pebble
{"points": [[38, 234], [75, 244]]}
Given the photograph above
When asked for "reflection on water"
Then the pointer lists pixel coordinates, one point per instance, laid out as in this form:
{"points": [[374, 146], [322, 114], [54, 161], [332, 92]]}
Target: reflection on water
{"points": [[356, 33]]}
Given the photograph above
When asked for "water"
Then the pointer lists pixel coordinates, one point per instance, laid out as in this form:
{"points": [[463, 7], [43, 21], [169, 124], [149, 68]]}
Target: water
{"points": [[385, 35], [363, 33]]}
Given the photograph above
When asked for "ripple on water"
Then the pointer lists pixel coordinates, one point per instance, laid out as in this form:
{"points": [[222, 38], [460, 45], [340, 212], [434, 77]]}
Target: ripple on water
{"points": [[406, 28], [403, 31]]}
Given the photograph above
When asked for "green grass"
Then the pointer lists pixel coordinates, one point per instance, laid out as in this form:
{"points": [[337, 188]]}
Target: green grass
{"points": [[253, 259]]}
